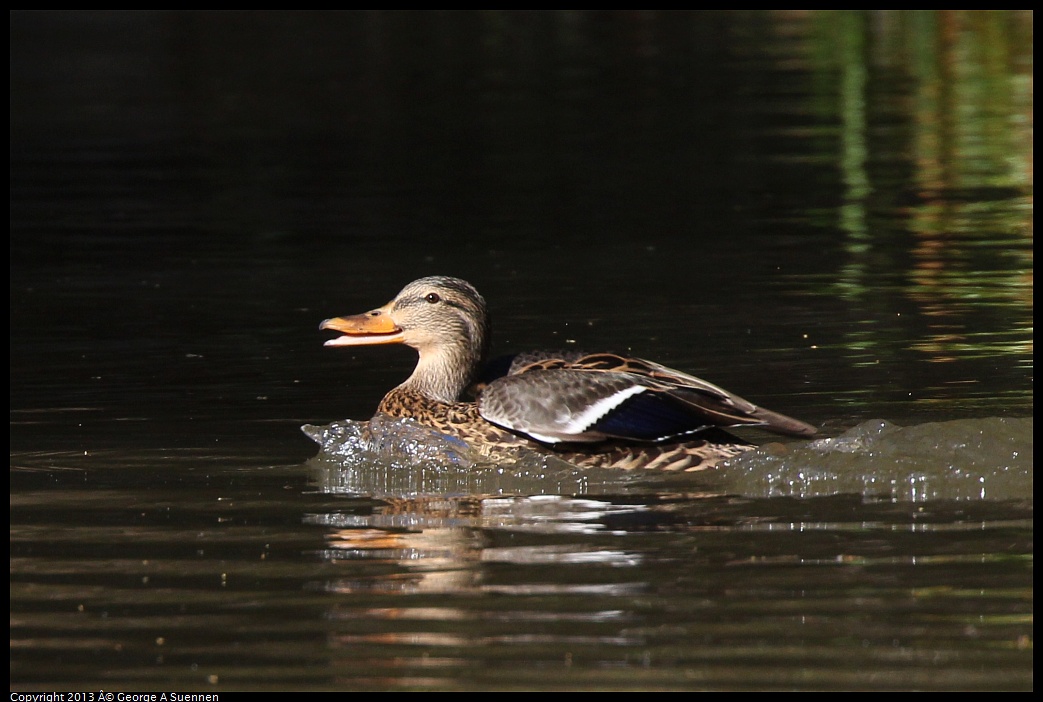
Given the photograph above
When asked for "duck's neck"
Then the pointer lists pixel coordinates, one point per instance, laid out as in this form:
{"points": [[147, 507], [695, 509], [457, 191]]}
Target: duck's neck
{"points": [[444, 373]]}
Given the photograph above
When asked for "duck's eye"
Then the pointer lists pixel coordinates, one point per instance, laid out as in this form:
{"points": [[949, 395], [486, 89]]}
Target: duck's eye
{"points": [[433, 298]]}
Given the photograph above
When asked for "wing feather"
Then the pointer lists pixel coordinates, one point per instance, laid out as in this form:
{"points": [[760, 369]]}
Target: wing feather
{"points": [[588, 398]]}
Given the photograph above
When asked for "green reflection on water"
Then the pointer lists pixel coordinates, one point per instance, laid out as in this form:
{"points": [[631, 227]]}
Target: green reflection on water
{"points": [[935, 152]]}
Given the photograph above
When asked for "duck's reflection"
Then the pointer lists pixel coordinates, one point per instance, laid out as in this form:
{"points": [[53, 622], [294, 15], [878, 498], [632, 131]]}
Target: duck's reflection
{"points": [[430, 577], [412, 542]]}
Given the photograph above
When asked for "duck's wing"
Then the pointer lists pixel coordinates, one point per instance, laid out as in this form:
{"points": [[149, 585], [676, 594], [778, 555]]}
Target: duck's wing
{"points": [[726, 408], [579, 406], [604, 396], [515, 363]]}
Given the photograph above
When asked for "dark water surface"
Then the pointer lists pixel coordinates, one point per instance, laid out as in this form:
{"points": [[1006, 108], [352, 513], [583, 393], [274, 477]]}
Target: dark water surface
{"points": [[829, 213]]}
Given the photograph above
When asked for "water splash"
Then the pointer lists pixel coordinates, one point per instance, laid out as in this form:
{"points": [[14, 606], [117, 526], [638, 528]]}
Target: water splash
{"points": [[401, 458], [971, 459], [967, 459]]}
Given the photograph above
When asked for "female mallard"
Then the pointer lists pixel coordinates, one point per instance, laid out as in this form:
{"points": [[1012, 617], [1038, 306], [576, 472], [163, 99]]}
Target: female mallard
{"points": [[590, 410]]}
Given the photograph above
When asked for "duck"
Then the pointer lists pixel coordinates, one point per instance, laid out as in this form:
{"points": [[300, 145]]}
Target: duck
{"points": [[597, 410]]}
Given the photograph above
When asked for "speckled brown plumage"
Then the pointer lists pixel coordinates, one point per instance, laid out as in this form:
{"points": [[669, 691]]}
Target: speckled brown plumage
{"points": [[462, 420]]}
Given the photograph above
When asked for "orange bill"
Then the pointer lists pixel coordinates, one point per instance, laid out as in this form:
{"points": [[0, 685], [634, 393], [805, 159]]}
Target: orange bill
{"points": [[373, 327]]}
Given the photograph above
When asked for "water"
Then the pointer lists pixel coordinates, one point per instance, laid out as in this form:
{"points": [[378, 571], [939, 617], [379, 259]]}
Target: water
{"points": [[827, 213]]}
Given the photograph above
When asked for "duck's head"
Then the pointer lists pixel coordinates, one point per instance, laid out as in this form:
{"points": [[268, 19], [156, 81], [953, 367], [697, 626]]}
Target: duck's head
{"points": [[443, 318]]}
